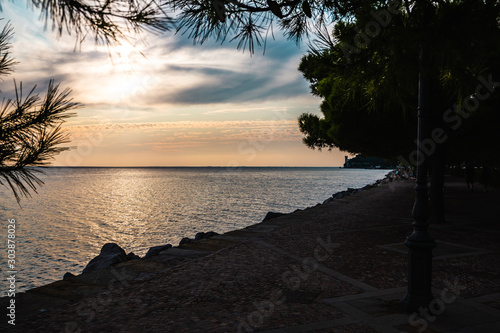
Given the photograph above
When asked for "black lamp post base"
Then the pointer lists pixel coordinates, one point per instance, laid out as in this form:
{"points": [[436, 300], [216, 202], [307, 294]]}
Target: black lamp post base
{"points": [[419, 293], [413, 303]]}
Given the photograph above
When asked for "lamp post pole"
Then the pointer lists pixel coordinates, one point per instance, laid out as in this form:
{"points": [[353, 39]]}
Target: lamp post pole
{"points": [[420, 243]]}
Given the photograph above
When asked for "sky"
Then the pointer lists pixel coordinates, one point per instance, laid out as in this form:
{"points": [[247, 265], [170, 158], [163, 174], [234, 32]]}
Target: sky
{"points": [[167, 102]]}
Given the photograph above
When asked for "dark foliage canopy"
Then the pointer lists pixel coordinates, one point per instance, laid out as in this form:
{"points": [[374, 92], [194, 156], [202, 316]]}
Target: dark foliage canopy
{"points": [[367, 74], [249, 22]]}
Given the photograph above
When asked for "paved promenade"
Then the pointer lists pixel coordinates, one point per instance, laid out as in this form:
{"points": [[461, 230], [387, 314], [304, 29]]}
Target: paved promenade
{"points": [[336, 267]]}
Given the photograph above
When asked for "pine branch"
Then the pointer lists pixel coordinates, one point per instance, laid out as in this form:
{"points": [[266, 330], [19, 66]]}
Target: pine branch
{"points": [[30, 135], [6, 61], [107, 21]]}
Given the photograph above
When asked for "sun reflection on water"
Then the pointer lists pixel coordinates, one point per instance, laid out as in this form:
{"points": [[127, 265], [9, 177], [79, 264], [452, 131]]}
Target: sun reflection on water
{"points": [[80, 209]]}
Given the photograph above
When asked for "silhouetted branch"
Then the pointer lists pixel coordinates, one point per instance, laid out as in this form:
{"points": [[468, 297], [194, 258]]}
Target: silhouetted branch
{"points": [[30, 135], [30, 128], [107, 21]]}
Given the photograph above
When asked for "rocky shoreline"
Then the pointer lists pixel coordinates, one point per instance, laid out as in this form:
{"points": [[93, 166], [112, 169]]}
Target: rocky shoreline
{"points": [[112, 253], [338, 266], [114, 267]]}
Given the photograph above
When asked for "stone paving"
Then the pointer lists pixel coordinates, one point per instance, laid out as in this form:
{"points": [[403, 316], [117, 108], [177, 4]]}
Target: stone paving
{"points": [[335, 267]]}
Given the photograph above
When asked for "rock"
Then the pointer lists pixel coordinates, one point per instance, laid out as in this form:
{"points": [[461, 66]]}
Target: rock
{"points": [[211, 234], [327, 200], [346, 193], [68, 276], [153, 251], [132, 256], [198, 236], [340, 195], [185, 240], [205, 235], [272, 215], [110, 254]]}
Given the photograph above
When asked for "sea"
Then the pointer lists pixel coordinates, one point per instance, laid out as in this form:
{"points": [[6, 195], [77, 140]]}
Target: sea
{"points": [[63, 226]]}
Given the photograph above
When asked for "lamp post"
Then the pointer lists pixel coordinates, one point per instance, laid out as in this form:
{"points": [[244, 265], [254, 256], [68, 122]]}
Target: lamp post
{"points": [[420, 243]]}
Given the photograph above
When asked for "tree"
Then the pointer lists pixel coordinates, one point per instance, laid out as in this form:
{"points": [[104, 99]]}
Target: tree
{"points": [[377, 83], [371, 87], [363, 112]]}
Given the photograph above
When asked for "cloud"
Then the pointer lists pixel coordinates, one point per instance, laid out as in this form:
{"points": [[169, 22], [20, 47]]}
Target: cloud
{"points": [[245, 110], [198, 99], [183, 125], [173, 73], [242, 80], [187, 132]]}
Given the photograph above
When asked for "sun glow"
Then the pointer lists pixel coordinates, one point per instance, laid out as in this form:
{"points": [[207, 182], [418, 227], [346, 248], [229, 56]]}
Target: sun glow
{"points": [[125, 54], [125, 75]]}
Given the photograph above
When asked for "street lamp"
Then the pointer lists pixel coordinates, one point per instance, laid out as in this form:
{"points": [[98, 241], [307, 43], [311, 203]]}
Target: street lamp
{"points": [[420, 243]]}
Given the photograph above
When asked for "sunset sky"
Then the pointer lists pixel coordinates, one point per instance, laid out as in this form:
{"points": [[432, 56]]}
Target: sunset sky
{"points": [[180, 105]]}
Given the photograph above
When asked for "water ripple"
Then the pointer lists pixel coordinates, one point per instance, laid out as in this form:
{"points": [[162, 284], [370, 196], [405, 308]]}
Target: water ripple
{"points": [[79, 209]]}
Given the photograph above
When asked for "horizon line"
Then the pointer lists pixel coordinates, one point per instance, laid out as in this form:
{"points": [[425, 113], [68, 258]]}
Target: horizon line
{"points": [[186, 166]]}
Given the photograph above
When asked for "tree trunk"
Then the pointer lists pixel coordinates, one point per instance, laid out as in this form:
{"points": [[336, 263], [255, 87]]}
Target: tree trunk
{"points": [[437, 185]]}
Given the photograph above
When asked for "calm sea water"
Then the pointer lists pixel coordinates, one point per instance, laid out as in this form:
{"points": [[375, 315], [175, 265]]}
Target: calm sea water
{"points": [[79, 209]]}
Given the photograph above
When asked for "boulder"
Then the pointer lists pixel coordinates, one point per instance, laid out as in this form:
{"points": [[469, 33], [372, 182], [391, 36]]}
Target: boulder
{"points": [[211, 234], [200, 235], [111, 253], [340, 195], [328, 200], [132, 256], [185, 240], [272, 215], [68, 276], [205, 235], [153, 251], [345, 193]]}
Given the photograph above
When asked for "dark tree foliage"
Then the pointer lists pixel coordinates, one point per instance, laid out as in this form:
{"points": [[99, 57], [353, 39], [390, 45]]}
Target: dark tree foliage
{"points": [[369, 90], [367, 75], [249, 22], [30, 128], [368, 87]]}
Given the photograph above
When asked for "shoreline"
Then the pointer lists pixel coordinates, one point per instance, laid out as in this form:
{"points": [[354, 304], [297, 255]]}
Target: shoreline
{"points": [[305, 268], [197, 247], [157, 249], [174, 242], [158, 213]]}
